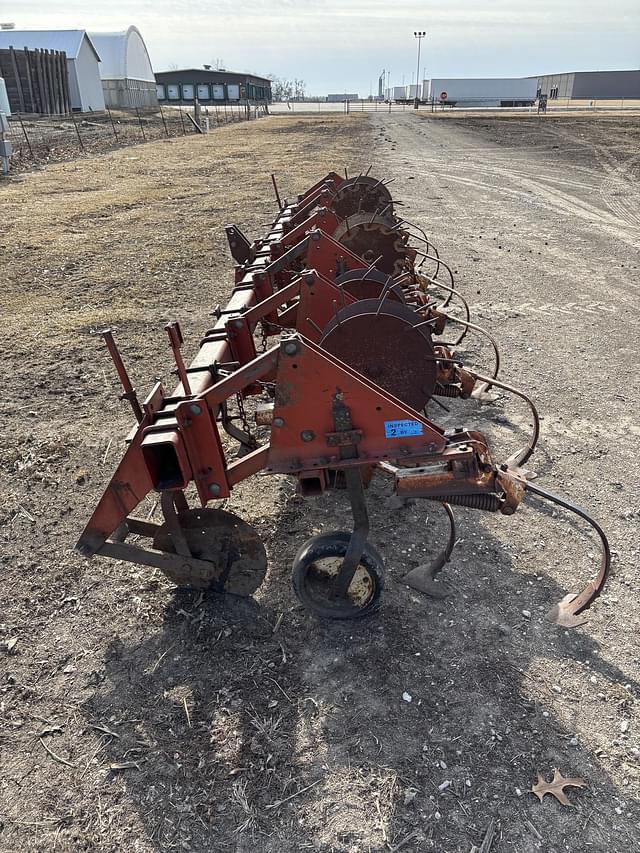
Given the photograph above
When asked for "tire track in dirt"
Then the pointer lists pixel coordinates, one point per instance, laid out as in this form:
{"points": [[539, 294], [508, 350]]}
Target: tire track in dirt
{"points": [[620, 178]]}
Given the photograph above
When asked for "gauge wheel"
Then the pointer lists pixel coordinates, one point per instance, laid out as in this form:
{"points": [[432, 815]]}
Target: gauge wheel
{"points": [[315, 567]]}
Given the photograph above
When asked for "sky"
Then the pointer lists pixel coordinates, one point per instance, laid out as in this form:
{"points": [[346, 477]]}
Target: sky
{"points": [[344, 45]]}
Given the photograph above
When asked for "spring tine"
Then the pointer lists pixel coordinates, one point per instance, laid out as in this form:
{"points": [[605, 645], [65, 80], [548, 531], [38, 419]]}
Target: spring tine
{"points": [[521, 456], [379, 258], [315, 325], [566, 612], [456, 293], [481, 330], [421, 578], [366, 174]]}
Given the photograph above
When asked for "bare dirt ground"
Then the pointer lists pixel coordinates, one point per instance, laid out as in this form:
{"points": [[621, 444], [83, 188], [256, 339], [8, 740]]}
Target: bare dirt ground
{"points": [[137, 718]]}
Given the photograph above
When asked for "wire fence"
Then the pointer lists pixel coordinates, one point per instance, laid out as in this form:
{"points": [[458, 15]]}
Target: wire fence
{"points": [[469, 104], [37, 140]]}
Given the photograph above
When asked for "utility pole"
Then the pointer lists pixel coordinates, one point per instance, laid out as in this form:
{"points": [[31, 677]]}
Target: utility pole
{"points": [[420, 34]]}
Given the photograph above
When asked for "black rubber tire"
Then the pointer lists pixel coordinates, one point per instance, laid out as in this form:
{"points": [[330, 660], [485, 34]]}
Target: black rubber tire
{"points": [[309, 584]]}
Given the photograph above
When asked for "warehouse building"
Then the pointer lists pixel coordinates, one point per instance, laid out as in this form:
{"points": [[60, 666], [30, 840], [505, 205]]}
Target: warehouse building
{"points": [[211, 87], [85, 88], [591, 85], [125, 69], [339, 98]]}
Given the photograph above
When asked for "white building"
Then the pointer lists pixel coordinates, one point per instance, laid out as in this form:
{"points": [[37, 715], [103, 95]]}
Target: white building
{"points": [[85, 88], [125, 69]]}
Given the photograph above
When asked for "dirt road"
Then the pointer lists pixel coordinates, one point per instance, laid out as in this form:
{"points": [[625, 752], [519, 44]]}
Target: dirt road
{"points": [[134, 717]]}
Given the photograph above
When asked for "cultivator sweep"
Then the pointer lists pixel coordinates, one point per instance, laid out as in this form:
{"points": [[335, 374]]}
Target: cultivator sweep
{"points": [[335, 325]]}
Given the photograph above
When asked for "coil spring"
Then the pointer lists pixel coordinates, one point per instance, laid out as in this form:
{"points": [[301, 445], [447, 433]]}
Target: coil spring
{"points": [[448, 390], [488, 502]]}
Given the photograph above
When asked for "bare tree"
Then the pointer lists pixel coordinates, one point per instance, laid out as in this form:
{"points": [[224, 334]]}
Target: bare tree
{"points": [[287, 90]]}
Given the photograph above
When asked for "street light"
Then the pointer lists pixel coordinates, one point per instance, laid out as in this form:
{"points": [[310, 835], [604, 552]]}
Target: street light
{"points": [[420, 34]]}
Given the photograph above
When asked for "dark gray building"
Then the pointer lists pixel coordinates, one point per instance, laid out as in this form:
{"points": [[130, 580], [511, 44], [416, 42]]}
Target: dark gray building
{"points": [[591, 85], [211, 87]]}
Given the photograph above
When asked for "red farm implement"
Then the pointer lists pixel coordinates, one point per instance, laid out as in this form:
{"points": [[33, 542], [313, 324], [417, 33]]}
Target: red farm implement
{"points": [[334, 326]]}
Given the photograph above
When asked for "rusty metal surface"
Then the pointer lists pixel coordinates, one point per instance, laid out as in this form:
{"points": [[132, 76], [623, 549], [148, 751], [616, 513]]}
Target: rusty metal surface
{"points": [[370, 284], [232, 549], [371, 238], [381, 341], [362, 194]]}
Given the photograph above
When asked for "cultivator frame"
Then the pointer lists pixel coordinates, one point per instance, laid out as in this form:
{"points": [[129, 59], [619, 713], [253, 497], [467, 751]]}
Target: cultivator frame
{"points": [[331, 421]]}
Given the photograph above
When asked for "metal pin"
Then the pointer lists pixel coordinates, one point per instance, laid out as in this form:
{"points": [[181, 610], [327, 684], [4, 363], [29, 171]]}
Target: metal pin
{"points": [[379, 258], [385, 292], [275, 189]]}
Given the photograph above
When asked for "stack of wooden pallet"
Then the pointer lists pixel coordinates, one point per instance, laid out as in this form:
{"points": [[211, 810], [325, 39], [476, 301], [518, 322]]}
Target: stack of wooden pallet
{"points": [[36, 80]]}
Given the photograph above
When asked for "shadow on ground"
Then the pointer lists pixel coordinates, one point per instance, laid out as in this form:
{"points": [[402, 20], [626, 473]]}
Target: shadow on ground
{"points": [[250, 726]]}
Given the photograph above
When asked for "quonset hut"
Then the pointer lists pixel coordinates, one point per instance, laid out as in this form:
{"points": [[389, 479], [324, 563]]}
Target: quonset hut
{"points": [[125, 69]]}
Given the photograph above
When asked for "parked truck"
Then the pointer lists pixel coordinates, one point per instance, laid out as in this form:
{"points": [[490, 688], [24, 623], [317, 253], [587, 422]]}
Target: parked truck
{"points": [[481, 91], [406, 94]]}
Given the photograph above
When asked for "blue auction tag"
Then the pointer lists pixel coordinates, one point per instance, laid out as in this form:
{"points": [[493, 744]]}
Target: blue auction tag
{"points": [[401, 429]]}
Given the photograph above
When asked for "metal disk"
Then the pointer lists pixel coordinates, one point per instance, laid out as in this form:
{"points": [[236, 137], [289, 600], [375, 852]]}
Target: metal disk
{"points": [[369, 284], [373, 239], [234, 549], [362, 195], [382, 343]]}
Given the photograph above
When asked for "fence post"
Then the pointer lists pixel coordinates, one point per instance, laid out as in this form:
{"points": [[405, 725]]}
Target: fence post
{"points": [[75, 124], [184, 131], [113, 126], [140, 123], [163, 121], [26, 136]]}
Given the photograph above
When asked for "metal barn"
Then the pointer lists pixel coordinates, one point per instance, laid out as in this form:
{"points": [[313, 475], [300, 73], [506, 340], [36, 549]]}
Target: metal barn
{"points": [[211, 87], [85, 88], [125, 69]]}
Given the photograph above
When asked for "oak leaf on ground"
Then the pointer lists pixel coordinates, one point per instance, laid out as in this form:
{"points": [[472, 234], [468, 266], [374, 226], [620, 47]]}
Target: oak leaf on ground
{"points": [[556, 786]]}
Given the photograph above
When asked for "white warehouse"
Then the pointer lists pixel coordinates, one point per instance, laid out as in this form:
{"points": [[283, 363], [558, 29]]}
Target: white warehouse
{"points": [[85, 89], [125, 69]]}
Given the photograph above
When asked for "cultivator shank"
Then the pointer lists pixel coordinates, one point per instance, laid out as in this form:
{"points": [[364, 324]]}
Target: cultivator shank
{"points": [[337, 298]]}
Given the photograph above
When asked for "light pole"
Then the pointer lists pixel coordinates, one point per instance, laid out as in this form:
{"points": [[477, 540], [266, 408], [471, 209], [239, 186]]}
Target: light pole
{"points": [[420, 34]]}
